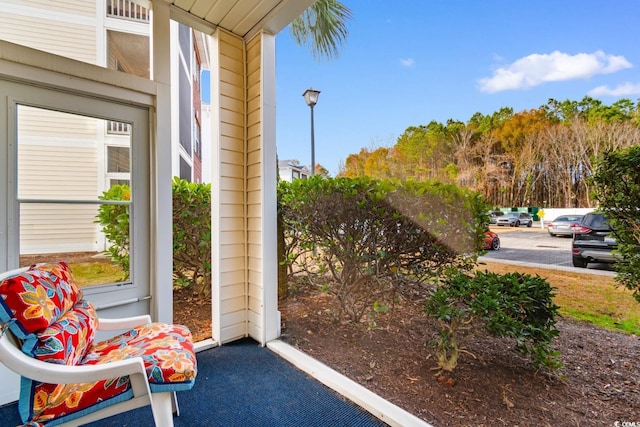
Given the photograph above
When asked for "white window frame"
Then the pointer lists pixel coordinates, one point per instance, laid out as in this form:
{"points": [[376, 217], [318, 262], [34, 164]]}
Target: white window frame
{"points": [[111, 297]]}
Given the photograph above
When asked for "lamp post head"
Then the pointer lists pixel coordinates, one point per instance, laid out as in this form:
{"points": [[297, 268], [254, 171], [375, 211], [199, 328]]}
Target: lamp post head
{"points": [[311, 96]]}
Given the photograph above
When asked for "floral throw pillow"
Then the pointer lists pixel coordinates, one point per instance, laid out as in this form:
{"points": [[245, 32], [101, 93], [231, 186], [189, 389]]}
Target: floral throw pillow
{"points": [[67, 340], [32, 300]]}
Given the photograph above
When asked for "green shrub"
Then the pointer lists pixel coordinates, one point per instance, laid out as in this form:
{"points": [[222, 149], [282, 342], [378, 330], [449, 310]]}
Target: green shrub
{"points": [[360, 238], [512, 305], [192, 235], [114, 219], [191, 231], [617, 189]]}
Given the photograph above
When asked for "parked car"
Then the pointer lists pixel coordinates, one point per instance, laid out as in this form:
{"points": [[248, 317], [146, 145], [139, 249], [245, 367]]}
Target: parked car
{"points": [[561, 226], [515, 219], [491, 241], [494, 215], [592, 241]]}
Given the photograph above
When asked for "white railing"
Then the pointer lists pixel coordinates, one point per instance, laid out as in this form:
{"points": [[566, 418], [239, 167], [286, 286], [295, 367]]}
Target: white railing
{"points": [[118, 128], [127, 9]]}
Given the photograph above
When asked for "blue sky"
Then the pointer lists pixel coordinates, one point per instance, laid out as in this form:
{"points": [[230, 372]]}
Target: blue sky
{"points": [[408, 62]]}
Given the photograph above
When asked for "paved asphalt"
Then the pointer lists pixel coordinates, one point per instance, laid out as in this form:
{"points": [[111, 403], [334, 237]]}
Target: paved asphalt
{"points": [[534, 247]]}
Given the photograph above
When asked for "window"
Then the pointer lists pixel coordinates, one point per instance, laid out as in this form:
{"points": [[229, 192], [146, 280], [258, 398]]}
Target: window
{"points": [[197, 148], [59, 189], [185, 110], [184, 39], [185, 169], [128, 53], [118, 166], [52, 174], [118, 159]]}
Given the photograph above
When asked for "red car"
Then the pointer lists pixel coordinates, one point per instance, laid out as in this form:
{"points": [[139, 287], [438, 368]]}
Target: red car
{"points": [[491, 241]]}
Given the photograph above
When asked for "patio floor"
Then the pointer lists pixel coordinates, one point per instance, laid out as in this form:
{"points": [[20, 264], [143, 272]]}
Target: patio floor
{"points": [[243, 384]]}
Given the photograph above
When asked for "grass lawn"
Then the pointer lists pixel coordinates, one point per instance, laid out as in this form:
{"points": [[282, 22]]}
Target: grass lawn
{"points": [[593, 298]]}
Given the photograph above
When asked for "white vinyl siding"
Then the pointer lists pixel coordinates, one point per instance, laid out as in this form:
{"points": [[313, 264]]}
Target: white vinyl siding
{"points": [[261, 194], [66, 28], [229, 272], [74, 7], [57, 159], [67, 31], [254, 189]]}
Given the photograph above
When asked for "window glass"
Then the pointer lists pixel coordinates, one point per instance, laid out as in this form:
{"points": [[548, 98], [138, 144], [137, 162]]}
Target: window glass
{"points": [[118, 159], [185, 170], [60, 190], [128, 53]]}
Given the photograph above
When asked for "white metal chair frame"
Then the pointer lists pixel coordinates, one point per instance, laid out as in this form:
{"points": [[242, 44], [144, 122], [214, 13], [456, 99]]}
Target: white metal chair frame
{"points": [[163, 405]]}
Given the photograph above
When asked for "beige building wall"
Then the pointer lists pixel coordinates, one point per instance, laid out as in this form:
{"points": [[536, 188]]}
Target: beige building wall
{"points": [[228, 204], [254, 187], [66, 28], [69, 143], [244, 197], [58, 159]]}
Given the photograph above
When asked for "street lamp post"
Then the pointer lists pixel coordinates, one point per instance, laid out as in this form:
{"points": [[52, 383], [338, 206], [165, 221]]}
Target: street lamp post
{"points": [[311, 98]]}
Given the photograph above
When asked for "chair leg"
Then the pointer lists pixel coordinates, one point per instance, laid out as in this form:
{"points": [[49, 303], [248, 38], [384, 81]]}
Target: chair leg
{"points": [[162, 407], [174, 404]]}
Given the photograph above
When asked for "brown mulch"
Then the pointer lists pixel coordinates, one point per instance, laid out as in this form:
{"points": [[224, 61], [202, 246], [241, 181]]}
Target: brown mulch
{"points": [[493, 384], [193, 312]]}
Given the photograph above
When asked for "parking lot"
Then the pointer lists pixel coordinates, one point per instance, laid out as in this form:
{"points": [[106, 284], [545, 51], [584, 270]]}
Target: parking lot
{"points": [[533, 246]]}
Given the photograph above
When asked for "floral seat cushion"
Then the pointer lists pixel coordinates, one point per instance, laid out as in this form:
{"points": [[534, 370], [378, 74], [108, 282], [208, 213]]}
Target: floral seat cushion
{"points": [[169, 359], [53, 404], [43, 307], [166, 349]]}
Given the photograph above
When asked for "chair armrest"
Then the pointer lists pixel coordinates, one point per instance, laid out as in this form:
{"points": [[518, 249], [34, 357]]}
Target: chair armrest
{"points": [[123, 323], [53, 373]]}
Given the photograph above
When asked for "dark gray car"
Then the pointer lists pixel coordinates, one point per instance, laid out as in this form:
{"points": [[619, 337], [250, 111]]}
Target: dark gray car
{"points": [[592, 241]]}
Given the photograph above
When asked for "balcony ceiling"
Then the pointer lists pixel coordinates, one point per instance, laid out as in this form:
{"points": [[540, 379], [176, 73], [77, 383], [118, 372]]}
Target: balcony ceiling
{"points": [[241, 17]]}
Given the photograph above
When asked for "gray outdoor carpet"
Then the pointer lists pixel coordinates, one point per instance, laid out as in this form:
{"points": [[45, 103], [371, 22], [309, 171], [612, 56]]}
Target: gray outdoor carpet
{"points": [[243, 384]]}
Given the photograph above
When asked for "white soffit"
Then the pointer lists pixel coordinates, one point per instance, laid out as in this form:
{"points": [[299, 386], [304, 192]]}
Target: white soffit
{"points": [[244, 18]]}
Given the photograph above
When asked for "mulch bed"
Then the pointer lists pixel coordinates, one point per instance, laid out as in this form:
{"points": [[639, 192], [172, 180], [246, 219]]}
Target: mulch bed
{"points": [[493, 384]]}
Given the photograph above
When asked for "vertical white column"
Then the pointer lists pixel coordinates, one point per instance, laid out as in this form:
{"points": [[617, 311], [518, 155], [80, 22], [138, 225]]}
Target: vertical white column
{"points": [[161, 250], [214, 164], [269, 203]]}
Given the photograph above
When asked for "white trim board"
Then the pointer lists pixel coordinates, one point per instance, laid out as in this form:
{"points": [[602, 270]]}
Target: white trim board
{"points": [[366, 399]]}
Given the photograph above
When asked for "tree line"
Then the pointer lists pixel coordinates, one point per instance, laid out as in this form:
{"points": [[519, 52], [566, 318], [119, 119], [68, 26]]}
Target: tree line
{"points": [[540, 157]]}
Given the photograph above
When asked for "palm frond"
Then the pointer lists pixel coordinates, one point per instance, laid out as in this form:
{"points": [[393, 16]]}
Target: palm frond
{"points": [[322, 28]]}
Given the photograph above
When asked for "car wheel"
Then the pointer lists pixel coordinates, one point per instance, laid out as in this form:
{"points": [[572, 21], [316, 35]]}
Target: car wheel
{"points": [[552, 235], [530, 224], [579, 262], [495, 244], [518, 223]]}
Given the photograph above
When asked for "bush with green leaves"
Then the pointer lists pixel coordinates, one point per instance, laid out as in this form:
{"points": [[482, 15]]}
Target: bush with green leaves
{"points": [[191, 231], [513, 305], [192, 235], [114, 219], [360, 238], [616, 184]]}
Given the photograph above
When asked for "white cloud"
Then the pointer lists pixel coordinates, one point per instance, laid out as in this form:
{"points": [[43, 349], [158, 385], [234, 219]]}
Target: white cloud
{"points": [[409, 62], [536, 69], [624, 89]]}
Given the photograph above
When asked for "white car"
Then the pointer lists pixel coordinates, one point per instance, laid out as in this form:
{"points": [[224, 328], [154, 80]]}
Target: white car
{"points": [[515, 219]]}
